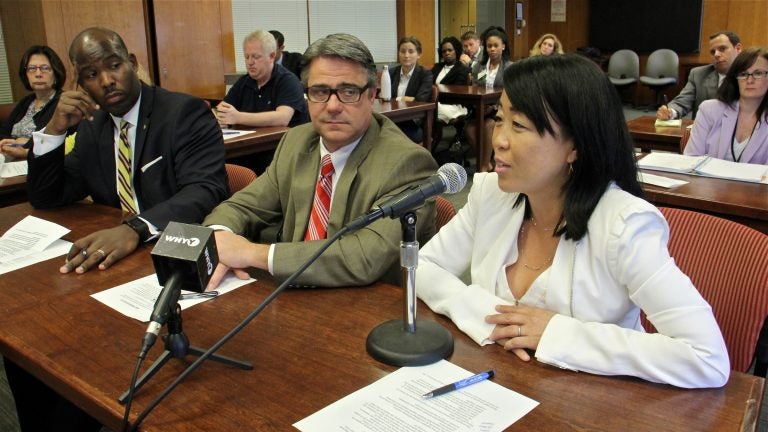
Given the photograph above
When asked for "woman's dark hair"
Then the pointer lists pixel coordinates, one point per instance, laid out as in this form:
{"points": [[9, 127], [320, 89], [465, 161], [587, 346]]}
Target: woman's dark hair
{"points": [[499, 33], [454, 42], [410, 39], [59, 73], [729, 89], [567, 89]]}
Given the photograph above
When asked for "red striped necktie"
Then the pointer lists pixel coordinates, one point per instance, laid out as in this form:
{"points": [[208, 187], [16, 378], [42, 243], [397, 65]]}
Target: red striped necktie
{"points": [[318, 220]]}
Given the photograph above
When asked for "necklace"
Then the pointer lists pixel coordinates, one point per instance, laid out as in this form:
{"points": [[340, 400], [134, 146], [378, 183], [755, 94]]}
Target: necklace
{"points": [[533, 221], [546, 262]]}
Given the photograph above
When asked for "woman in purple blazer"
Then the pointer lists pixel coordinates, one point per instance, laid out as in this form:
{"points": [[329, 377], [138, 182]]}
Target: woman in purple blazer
{"points": [[734, 125]]}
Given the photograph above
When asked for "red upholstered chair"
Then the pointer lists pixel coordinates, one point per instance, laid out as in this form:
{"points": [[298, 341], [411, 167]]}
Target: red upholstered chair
{"points": [[728, 264], [5, 111], [238, 177], [445, 211]]}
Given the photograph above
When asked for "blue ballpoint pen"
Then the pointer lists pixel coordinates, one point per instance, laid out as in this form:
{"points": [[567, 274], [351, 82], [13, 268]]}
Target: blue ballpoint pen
{"points": [[482, 376]]}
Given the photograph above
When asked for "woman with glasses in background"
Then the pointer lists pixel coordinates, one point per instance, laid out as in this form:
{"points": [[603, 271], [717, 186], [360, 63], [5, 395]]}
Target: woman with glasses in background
{"points": [[733, 125], [42, 72]]}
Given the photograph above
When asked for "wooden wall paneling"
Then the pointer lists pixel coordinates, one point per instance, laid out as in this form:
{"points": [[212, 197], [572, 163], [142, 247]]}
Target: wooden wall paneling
{"points": [[417, 18], [227, 37], [573, 33], [65, 19], [518, 43], [457, 17], [22, 27], [189, 51], [748, 19]]}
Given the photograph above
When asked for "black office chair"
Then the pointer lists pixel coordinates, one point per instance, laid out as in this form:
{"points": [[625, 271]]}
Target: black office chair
{"points": [[660, 72]]}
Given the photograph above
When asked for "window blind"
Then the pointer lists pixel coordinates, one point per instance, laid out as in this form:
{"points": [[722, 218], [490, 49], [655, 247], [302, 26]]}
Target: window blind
{"points": [[6, 95]]}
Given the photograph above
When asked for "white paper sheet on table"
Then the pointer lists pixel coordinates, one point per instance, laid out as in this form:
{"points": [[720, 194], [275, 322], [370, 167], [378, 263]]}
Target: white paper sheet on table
{"points": [[395, 403], [28, 236], [136, 299], [13, 169], [232, 133], [658, 180], [57, 248]]}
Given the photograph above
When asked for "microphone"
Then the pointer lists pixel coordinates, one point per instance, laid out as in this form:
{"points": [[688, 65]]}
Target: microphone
{"points": [[450, 178], [184, 258]]}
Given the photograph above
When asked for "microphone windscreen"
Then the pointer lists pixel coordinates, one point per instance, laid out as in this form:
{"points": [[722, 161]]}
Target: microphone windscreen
{"points": [[454, 177], [187, 250]]}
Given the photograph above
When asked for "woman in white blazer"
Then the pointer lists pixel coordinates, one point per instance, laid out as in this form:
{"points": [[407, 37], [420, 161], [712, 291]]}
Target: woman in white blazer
{"points": [[562, 252]]}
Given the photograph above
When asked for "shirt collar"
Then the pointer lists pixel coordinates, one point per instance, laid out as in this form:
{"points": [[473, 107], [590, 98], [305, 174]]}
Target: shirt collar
{"points": [[340, 156], [132, 116]]}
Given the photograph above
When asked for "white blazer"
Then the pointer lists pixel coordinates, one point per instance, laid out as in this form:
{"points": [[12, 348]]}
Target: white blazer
{"points": [[597, 286]]}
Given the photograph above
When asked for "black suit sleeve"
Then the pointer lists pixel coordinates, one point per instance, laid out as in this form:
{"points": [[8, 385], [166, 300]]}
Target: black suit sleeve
{"points": [[197, 182], [422, 85]]}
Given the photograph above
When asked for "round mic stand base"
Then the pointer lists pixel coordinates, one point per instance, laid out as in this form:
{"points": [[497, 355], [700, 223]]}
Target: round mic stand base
{"points": [[390, 343]]}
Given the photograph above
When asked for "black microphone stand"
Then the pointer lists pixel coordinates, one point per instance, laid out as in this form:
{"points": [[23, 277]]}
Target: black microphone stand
{"points": [[211, 351], [177, 346], [407, 342]]}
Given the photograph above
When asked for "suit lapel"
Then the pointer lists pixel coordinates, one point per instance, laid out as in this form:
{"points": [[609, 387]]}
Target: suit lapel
{"points": [[303, 188], [107, 161], [730, 116], [145, 112]]}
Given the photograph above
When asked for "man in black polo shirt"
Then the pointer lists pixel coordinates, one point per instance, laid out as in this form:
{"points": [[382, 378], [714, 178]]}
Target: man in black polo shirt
{"points": [[268, 95]]}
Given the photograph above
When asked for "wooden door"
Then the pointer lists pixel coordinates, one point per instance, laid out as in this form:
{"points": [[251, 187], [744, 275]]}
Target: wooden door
{"points": [[457, 17], [193, 45]]}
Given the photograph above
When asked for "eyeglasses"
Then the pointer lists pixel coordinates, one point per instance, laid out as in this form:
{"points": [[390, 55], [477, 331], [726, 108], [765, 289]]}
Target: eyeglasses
{"points": [[34, 68], [758, 75], [345, 94]]}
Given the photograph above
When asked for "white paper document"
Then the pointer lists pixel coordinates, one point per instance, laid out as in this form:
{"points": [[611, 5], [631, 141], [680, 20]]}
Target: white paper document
{"points": [[136, 299], [13, 169], [58, 248], [232, 133], [657, 180], [28, 236], [395, 404], [705, 166]]}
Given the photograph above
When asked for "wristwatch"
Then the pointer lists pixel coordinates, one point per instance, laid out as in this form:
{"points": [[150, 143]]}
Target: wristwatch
{"points": [[140, 227]]}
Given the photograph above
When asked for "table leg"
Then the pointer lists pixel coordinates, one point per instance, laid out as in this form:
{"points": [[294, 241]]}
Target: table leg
{"points": [[429, 117]]}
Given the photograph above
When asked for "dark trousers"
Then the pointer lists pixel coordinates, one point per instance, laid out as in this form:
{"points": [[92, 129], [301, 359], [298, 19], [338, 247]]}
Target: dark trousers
{"points": [[41, 409]]}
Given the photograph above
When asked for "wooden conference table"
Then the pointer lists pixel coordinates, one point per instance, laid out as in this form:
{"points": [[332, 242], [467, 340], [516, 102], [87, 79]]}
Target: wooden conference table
{"points": [[742, 202], [648, 136], [476, 97], [267, 138], [308, 350]]}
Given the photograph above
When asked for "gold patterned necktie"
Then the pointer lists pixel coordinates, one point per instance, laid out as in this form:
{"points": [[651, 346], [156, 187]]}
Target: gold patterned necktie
{"points": [[124, 184]]}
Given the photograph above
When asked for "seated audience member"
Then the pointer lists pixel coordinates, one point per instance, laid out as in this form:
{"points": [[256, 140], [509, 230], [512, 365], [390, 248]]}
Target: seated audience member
{"points": [[489, 69], [410, 82], [472, 49], [289, 60], [268, 95], [452, 72], [733, 125], [547, 44], [157, 155], [323, 175], [703, 81], [42, 72], [563, 252]]}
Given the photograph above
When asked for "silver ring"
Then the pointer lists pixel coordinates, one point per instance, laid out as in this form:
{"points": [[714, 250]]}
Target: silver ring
{"points": [[519, 331], [103, 254], [85, 253]]}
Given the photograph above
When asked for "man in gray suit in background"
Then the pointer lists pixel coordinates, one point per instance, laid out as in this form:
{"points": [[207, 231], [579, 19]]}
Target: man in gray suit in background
{"points": [[704, 81]]}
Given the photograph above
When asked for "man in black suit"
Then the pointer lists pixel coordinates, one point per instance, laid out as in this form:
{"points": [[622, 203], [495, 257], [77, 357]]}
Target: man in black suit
{"points": [[289, 60], [172, 167]]}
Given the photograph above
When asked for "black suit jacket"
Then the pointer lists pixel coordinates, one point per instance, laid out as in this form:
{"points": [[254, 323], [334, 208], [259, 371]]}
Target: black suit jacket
{"points": [[178, 170], [458, 75], [292, 62], [419, 86]]}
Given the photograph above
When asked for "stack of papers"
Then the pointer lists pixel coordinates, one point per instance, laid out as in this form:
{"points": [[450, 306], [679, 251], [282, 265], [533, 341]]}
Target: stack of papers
{"points": [[669, 123], [705, 166]]}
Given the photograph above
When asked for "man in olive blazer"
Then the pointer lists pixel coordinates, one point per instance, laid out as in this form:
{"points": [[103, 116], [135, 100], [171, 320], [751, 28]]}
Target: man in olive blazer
{"points": [[376, 161]]}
